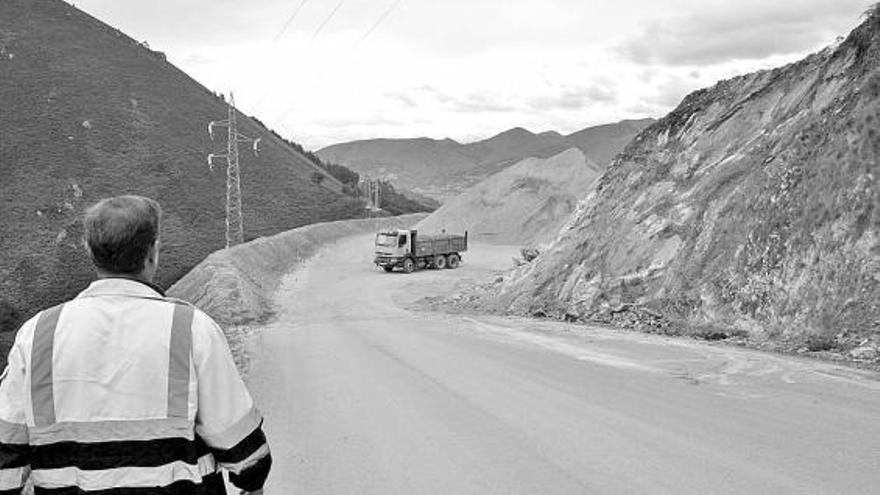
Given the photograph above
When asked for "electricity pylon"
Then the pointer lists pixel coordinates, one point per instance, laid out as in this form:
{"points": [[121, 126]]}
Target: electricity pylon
{"points": [[375, 197], [372, 193], [234, 223]]}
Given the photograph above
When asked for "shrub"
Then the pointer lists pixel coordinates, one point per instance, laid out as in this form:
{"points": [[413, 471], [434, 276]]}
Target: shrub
{"points": [[529, 254]]}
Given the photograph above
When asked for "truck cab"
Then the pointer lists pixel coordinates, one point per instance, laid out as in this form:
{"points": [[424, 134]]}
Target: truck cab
{"points": [[394, 244]]}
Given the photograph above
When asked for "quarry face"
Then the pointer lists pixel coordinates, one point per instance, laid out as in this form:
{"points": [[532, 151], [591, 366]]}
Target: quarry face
{"points": [[749, 210]]}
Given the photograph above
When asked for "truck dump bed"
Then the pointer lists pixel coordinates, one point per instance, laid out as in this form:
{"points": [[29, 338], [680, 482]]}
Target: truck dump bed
{"points": [[428, 245]]}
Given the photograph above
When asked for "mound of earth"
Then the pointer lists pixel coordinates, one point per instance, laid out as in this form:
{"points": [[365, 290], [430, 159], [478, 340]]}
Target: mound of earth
{"points": [[235, 286], [526, 203], [87, 112], [751, 209], [445, 168]]}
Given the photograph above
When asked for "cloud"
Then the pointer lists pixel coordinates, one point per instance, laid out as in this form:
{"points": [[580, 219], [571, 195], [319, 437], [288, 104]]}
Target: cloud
{"points": [[576, 98], [669, 91], [404, 97], [197, 59], [358, 121], [427, 96], [481, 102], [722, 31]]}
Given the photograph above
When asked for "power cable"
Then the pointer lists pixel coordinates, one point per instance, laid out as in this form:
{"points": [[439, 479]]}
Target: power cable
{"points": [[289, 21], [379, 21], [317, 32], [327, 20], [275, 40], [360, 41]]}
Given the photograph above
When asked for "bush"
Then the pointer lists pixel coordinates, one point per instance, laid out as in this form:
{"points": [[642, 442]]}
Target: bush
{"points": [[529, 254], [10, 317], [820, 342]]}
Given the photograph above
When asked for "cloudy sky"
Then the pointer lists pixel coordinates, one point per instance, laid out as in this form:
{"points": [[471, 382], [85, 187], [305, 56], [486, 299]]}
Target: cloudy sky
{"points": [[326, 71]]}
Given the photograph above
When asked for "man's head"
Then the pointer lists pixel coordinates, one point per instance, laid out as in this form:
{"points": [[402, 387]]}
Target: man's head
{"points": [[122, 235]]}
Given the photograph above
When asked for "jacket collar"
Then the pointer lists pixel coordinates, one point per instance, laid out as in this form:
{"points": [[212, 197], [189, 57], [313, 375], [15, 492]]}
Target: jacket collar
{"points": [[121, 286]]}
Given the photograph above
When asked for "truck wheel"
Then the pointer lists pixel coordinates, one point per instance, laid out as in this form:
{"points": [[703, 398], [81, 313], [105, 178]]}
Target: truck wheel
{"points": [[388, 268], [439, 262], [409, 265], [452, 261]]}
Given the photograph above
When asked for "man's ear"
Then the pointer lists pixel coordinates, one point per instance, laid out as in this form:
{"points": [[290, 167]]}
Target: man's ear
{"points": [[153, 253]]}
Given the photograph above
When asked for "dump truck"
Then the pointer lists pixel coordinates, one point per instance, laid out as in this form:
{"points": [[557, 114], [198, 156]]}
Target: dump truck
{"points": [[409, 250]]}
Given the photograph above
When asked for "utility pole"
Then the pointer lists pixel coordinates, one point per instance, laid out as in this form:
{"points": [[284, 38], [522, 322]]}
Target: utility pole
{"points": [[234, 222], [376, 199], [372, 193]]}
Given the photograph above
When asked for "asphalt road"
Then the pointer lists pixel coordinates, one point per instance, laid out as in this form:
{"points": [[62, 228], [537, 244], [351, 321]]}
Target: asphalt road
{"points": [[363, 396]]}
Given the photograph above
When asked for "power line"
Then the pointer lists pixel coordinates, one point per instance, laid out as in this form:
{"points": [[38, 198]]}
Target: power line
{"points": [[277, 38], [315, 34], [379, 21], [360, 40], [327, 20], [289, 21]]}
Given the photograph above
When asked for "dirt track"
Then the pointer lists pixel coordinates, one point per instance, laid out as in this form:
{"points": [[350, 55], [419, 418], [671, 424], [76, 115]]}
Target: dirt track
{"points": [[363, 396]]}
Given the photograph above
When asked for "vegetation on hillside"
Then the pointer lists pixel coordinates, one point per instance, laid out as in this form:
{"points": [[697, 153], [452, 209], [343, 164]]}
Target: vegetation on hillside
{"points": [[87, 113], [394, 202]]}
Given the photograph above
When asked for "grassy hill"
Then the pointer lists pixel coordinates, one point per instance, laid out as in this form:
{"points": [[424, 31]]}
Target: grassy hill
{"points": [[444, 168], [87, 112]]}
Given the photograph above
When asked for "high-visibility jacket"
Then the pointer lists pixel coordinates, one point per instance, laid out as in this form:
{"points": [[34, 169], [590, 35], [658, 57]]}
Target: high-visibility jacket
{"points": [[122, 390]]}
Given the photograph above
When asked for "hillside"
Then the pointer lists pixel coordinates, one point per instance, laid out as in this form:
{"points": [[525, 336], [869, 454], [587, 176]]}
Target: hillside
{"points": [[411, 163], [524, 204], [87, 112], [444, 169], [751, 210]]}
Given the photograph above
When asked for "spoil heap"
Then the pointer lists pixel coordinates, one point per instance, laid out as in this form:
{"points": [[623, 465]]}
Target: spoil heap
{"points": [[524, 204]]}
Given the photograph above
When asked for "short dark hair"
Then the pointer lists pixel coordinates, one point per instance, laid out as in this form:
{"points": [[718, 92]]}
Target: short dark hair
{"points": [[119, 232]]}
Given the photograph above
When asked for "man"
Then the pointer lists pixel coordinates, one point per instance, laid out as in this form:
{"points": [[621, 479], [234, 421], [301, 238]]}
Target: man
{"points": [[122, 390]]}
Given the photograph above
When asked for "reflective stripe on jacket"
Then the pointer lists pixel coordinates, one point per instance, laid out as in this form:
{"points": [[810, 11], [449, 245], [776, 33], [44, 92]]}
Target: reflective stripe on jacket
{"points": [[122, 388]]}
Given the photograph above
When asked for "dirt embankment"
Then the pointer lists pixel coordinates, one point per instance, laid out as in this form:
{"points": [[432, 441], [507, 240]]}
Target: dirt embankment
{"points": [[235, 286], [525, 204]]}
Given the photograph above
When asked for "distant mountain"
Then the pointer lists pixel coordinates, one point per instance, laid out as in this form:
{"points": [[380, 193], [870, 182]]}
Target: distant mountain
{"points": [[513, 144], [87, 112], [444, 168], [526, 203], [601, 143], [751, 210]]}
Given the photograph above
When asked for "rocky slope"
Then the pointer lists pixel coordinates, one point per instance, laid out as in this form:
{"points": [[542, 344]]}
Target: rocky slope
{"points": [[752, 209], [87, 112], [524, 204], [445, 168]]}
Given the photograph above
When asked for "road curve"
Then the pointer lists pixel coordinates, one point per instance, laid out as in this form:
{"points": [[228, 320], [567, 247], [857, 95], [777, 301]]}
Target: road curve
{"points": [[363, 396]]}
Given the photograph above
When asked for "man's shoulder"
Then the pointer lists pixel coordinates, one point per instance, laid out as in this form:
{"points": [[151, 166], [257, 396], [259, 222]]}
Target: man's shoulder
{"points": [[201, 321], [30, 324], [200, 318]]}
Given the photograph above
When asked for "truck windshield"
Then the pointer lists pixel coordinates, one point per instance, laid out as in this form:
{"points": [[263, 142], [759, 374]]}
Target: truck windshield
{"points": [[386, 240]]}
